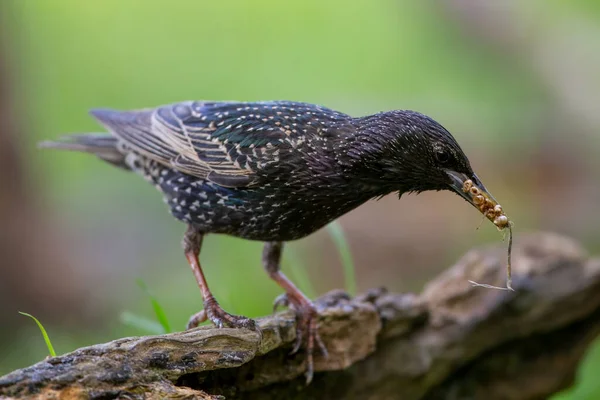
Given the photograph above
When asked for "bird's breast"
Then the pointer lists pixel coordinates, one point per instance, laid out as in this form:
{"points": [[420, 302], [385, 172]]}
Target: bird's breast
{"points": [[270, 211]]}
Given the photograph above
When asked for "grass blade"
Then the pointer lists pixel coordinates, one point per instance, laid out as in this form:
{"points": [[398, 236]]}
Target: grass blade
{"points": [[44, 333], [142, 323], [343, 248], [299, 274], [161, 316]]}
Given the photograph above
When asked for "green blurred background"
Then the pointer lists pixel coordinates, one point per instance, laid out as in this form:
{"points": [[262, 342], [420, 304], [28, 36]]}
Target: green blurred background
{"points": [[515, 81]]}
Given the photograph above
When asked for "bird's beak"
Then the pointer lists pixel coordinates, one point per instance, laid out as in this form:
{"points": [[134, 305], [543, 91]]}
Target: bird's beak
{"points": [[458, 185], [471, 189]]}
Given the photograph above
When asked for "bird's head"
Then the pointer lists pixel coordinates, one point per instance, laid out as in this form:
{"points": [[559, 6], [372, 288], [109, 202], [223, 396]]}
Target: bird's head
{"points": [[406, 151]]}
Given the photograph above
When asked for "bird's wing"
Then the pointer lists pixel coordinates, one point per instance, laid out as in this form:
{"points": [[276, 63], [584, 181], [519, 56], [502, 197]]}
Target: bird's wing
{"points": [[224, 142]]}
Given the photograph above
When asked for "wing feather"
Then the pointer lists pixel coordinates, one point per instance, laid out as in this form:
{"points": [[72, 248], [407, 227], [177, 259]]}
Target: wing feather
{"points": [[224, 142], [130, 127]]}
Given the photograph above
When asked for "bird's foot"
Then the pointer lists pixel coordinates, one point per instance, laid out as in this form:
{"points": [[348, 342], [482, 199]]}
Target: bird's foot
{"points": [[307, 328], [281, 301], [219, 317]]}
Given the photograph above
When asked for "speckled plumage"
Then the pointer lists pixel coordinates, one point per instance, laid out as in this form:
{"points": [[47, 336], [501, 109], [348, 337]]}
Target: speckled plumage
{"points": [[233, 167], [263, 171], [273, 171]]}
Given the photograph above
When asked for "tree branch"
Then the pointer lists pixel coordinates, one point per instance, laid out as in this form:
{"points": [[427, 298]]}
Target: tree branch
{"points": [[452, 341]]}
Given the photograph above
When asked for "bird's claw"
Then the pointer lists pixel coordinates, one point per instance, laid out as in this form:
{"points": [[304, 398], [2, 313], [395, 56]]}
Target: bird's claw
{"points": [[321, 345], [281, 301], [196, 320], [219, 317], [307, 330]]}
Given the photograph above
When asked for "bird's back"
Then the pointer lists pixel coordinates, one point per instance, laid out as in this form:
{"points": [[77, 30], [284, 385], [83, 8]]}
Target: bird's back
{"points": [[227, 143]]}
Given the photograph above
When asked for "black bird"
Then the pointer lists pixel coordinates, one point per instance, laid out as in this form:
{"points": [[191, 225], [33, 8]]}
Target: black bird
{"points": [[273, 171]]}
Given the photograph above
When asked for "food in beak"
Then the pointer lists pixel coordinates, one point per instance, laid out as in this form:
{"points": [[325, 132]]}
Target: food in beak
{"points": [[487, 206], [492, 211]]}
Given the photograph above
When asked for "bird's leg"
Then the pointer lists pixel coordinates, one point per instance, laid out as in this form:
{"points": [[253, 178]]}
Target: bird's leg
{"points": [[306, 313], [192, 242]]}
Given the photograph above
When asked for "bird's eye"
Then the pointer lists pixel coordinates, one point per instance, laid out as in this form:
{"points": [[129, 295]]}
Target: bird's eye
{"points": [[443, 156]]}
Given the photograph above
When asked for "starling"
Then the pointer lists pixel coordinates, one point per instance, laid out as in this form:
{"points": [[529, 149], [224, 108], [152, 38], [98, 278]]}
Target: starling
{"points": [[277, 171]]}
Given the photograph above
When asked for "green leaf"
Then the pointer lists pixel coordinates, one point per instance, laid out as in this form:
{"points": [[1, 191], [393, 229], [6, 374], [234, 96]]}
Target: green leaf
{"points": [[44, 333], [158, 310], [343, 248]]}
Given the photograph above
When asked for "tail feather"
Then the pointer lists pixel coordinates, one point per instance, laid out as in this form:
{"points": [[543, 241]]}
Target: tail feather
{"points": [[102, 145]]}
